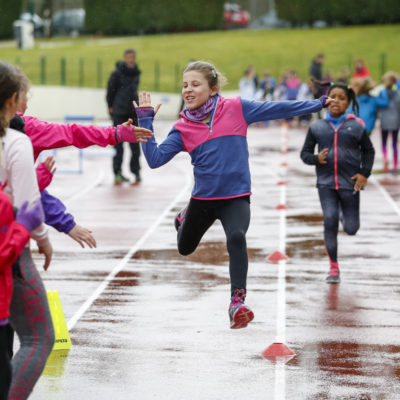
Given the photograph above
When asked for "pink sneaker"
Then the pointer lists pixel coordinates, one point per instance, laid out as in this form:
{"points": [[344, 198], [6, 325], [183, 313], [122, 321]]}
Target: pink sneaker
{"points": [[179, 218], [334, 274], [239, 314]]}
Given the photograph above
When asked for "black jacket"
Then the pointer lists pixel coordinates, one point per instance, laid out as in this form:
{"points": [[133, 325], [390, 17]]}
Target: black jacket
{"points": [[316, 70], [350, 152], [18, 123], [122, 89]]}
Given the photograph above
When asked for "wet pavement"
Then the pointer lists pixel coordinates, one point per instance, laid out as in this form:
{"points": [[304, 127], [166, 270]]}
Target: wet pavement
{"points": [[159, 328]]}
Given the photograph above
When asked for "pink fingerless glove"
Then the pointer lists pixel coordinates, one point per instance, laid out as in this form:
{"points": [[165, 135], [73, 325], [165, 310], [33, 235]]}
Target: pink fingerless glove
{"points": [[125, 134], [44, 176]]}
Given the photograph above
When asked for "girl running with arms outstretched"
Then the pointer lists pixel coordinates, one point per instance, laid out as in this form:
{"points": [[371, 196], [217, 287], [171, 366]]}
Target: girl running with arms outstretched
{"points": [[343, 165], [213, 130]]}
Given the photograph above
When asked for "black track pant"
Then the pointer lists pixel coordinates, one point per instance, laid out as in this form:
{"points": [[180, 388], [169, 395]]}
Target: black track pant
{"points": [[5, 363], [234, 215], [332, 202], [119, 152]]}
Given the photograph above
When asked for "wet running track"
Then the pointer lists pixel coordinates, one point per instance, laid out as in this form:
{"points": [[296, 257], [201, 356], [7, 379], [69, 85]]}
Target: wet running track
{"points": [[147, 323]]}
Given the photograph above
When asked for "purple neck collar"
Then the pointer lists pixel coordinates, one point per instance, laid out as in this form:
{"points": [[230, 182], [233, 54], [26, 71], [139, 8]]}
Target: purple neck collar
{"points": [[201, 113]]}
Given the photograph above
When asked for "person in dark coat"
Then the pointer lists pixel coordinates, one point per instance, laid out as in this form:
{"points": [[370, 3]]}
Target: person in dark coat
{"points": [[316, 73], [122, 90]]}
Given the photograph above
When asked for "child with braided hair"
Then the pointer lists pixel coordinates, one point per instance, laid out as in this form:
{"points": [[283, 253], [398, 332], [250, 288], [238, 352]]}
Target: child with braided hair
{"points": [[343, 164]]}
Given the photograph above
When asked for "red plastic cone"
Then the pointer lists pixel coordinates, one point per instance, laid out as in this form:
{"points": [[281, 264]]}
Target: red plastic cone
{"points": [[281, 207], [278, 352], [284, 164], [280, 183], [283, 152], [277, 256]]}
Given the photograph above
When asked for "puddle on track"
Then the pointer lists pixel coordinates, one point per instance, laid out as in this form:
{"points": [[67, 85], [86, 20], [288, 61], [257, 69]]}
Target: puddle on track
{"points": [[210, 253]]}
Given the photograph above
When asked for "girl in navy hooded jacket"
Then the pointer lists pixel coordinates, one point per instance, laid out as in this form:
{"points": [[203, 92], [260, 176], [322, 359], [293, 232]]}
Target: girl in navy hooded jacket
{"points": [[213, 131], [343, 165]]}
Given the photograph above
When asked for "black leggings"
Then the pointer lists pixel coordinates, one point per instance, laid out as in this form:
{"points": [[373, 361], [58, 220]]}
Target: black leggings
{"points": [[5, 363], [134, 163], [343, 204], [234, 215]]}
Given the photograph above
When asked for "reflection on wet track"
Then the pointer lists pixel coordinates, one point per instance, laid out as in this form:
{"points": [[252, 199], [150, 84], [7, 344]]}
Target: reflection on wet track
{"points": [[160, 328]]}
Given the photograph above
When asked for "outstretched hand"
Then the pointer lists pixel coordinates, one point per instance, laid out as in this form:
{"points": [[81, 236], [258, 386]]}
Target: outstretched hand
{"points": [[145, 101], [328, 101], [82, 236], [141, 134]]}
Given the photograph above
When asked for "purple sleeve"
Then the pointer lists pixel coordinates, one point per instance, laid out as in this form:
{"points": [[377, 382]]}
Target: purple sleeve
{"points": [[158, 155], [254, 111], [55, 215]]}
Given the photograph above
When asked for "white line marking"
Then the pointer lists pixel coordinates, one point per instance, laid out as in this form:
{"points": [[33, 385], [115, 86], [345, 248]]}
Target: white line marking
{"points": [[280, 376], [98, 180], [385, 194], [85, 306]]}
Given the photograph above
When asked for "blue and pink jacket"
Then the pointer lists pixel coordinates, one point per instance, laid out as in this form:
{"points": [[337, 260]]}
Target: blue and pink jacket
{"points": [[219, 149]]}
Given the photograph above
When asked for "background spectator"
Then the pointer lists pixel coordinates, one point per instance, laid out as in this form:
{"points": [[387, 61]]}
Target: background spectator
{"points": [[247, 86], [344, 76], [360, 70], [122, 90]]}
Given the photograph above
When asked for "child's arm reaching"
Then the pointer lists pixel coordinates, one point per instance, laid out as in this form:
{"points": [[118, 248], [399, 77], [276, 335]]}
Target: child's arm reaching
{"points": [[255, 111], [156, 155], [45, 172], [45, 135], [57, 217]]}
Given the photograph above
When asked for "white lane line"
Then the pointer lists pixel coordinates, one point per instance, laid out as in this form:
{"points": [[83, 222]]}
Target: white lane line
{"points": [[385, 194], [81, 193], [280, 369], [86, 305]]}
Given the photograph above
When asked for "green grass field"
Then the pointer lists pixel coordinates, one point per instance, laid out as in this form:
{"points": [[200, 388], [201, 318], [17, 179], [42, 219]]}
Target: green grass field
{"points": [[231, 51]]}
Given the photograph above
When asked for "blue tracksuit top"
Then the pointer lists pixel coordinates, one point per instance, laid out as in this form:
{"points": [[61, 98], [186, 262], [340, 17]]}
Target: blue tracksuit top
{"points": [[369, 108], [219, 149]]}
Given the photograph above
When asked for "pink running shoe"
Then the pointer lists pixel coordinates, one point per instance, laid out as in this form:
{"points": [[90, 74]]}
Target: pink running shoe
{"points": [[179, 218], [239, 314], [334, 273]]}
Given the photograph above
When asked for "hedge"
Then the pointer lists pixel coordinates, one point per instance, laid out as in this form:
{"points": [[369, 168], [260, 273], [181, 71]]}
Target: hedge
{"points": [[339, 12], [138, 16], [9, 12]]}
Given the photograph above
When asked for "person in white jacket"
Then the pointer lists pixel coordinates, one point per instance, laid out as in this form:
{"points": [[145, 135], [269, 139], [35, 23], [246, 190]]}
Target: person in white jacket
{"points": [[29, 309]]}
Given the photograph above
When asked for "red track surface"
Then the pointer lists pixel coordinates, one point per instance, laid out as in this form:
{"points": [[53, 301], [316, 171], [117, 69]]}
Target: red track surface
{"points": [[160, 328]]}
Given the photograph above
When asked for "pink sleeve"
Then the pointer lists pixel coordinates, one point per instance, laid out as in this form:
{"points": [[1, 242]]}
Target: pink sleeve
{"points": [[16, 239], [45, 135], [44, 176]]}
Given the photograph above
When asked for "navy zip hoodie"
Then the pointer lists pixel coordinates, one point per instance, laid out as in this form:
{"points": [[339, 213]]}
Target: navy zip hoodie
{"points": [[350, 151]]}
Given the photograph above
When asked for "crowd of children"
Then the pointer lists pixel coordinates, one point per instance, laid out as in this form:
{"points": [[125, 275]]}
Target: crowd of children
{"points": [[376, 102]]}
